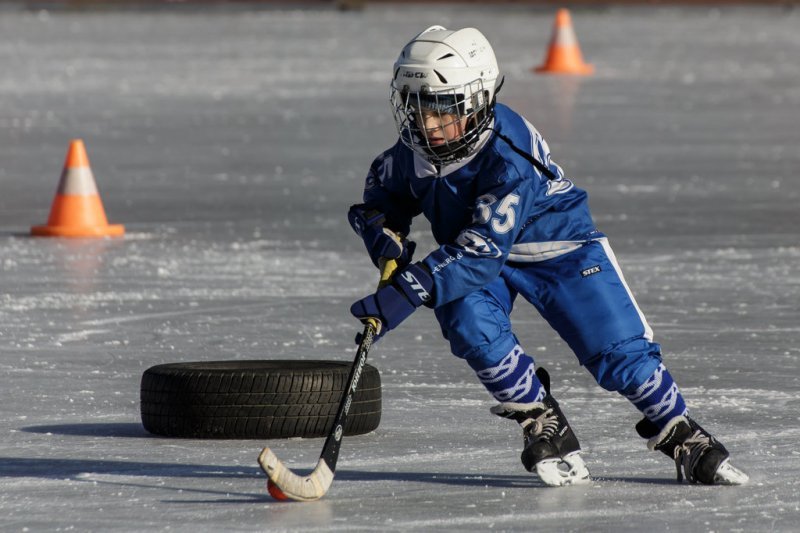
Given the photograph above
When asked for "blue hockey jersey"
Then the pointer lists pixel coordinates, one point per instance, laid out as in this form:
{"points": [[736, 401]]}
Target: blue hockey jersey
{"points": [[489, 208]]}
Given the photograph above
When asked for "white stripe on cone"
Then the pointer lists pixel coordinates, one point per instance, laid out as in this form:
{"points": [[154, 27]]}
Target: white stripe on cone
{"points": [[77, 181]]}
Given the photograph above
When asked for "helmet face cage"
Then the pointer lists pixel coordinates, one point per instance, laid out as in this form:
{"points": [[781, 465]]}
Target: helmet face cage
{"points": [[466, 107]]}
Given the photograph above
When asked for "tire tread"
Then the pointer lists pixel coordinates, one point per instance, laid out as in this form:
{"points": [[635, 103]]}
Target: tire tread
{"points": [[255, 399]]}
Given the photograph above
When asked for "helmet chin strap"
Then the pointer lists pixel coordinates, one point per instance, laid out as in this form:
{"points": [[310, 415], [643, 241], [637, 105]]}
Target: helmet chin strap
{"points": [[450, 151], [497, 90]]}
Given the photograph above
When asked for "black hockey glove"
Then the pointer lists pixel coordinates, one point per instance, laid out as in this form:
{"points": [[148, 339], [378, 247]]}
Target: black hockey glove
{"points": [[380, 241]]}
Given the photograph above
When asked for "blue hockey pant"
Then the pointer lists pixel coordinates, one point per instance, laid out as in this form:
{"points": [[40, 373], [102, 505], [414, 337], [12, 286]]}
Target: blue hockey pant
{"points": [[581, 294]]}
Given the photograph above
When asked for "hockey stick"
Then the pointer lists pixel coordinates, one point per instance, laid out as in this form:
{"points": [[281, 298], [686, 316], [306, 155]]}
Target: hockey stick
{"points": [[284, 484]]}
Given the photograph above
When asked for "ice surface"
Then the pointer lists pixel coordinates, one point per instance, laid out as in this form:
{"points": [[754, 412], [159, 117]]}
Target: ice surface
{"points": [[230, 145]]}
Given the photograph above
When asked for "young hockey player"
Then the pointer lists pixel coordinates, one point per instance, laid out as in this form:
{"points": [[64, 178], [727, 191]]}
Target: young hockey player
{"points": [[508, 222]]}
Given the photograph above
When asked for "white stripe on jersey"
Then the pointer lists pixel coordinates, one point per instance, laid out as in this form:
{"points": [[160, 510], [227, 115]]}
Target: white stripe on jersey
{"points": [[533, 252]]}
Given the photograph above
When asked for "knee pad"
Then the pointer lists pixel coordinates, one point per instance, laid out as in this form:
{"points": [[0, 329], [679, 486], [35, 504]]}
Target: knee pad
{"points": [[477, 325], [626, 365]]}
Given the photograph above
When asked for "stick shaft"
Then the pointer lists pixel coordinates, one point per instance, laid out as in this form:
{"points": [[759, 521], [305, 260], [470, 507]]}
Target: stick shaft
{"points": [[330, 451]]}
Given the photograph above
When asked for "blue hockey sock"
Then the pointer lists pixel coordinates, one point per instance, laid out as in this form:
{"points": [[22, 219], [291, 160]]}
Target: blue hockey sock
{"points": [[513, 379], [658, 398]]}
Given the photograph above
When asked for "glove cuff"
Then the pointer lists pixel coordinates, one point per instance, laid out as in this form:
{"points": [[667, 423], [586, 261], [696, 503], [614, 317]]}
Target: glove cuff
{"points": [[361, 218], [416, 284]]}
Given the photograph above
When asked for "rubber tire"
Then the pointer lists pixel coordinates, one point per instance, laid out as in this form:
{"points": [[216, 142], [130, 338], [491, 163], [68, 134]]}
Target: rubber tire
{"points": [[256, 399]]}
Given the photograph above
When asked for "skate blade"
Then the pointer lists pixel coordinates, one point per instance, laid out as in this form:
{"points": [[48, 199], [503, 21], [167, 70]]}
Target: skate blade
{"points": [[727, 474], [571, 470]]}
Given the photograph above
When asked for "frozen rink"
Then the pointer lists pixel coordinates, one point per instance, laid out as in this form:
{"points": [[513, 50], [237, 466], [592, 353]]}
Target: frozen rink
{"points": [[231, 143]]}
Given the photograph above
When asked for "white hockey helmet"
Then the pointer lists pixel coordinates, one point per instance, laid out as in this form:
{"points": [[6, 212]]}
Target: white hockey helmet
{"points": [[451, 73]]}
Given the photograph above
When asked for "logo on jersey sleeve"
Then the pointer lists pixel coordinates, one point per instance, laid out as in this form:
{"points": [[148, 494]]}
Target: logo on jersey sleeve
{"points": [[558, 186], [476, 244]]}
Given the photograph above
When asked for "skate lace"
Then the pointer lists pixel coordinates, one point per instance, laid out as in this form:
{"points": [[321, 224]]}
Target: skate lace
{"points": [[544, 426], [689, 453]]}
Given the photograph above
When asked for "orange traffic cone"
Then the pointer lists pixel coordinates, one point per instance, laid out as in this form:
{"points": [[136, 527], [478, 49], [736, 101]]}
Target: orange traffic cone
{"points": [[564, 55], [77, 210]]}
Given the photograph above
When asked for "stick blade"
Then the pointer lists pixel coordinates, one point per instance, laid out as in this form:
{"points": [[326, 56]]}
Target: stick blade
{"points": [[284, 484]]}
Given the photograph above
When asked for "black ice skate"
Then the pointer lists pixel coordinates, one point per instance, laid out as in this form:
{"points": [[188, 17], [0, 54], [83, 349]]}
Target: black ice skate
{"points": [[551, 447], [698, 456]]}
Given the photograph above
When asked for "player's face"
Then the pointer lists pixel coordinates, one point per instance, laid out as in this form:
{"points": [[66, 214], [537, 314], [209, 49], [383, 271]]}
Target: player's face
{"points": [[441, 128]]}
